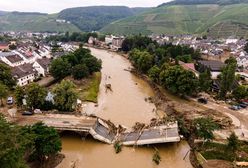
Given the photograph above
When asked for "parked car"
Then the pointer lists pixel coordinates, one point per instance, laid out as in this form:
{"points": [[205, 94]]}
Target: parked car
{"points": [[37, 111], [10, 101], [202, 100], [27, 113], [243, 105], [234, 108], [245, 100], [246, 103]]}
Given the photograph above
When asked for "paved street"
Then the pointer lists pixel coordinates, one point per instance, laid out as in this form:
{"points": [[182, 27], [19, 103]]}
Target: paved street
{"points": [[239, 118]]}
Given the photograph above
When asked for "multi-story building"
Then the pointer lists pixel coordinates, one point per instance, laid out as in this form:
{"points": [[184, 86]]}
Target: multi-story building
{"points": [[24, 74]]}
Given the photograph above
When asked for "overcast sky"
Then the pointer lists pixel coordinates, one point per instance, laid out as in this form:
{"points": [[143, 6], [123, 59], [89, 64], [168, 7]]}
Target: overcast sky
{"points": [[53, 6]]}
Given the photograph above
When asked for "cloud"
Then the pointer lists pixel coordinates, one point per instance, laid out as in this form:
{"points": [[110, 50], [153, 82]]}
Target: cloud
{"points": [[53, 6]]}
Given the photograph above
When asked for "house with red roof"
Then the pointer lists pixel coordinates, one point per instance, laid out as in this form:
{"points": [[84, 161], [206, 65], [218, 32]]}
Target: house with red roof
{"points": [[4, 46]]}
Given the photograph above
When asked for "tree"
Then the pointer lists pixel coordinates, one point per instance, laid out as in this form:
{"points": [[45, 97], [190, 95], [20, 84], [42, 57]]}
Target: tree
{"points": [[14, 142], [145, 62], [36, 95], [156, 158], [151, 48], [19, 95], [184, 58], [3, 92], [241, 92], [161, 56], [93, 64], [205, 81], [79, 55], [80, 71], [138, 41], [233, 142], [153, 73], [179, 81], [227, 77], [204, 128], [65, 95], [12, 47], [127, 44], [231, 60], [5, 76], [142, 60], [60, 68], [46, 142]]}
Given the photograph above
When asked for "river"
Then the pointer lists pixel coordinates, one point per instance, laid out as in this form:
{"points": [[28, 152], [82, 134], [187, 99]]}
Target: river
{"points": [[124, 105]]}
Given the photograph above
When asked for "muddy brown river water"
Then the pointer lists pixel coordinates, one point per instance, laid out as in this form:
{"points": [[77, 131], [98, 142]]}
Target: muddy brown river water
{"points": [[124, 105]]}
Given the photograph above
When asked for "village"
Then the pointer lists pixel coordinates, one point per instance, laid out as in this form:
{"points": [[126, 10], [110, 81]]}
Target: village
{"points": [[30, 55]]}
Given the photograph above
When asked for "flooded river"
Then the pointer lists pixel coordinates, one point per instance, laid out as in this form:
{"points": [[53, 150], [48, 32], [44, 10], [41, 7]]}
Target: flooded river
{"points": [[124, 105]]}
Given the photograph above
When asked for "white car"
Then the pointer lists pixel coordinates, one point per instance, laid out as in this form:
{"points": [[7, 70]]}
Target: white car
{"points": [[10, 101]]}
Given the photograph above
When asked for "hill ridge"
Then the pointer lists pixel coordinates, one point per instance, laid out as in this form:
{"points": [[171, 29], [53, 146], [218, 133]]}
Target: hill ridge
{"points": [[180, 19]]}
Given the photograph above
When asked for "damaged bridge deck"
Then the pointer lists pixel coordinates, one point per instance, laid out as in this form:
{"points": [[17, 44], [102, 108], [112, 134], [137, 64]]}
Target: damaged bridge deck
{"points": [[102, 131]]}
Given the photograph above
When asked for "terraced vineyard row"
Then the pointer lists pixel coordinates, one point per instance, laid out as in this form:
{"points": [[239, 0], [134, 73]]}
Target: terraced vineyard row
{"points": [[227, 29]]}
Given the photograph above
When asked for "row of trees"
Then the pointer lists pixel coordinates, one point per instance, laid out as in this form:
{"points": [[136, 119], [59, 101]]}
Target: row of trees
{"points": [[161, 53], [37, 142], [156, 60], [160, 63], [172, 77], [75, 37], [79, 64], [65, 96], [138, 42]]}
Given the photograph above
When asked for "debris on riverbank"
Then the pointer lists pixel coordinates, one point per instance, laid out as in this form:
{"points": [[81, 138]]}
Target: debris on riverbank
{"points": [[51, 162]]}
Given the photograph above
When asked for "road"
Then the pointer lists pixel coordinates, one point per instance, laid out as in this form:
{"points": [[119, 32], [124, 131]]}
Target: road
{"points": [[60, 120], [239, 118]]}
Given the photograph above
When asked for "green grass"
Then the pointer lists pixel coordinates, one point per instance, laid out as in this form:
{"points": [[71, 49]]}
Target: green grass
{"points": [[218, 151], [178, 19], [89, 92]]}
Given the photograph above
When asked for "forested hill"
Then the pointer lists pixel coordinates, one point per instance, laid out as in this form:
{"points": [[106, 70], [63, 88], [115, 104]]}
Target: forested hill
{"points": [[32, 21], [73, 19], [195, 2], [96, 17]]}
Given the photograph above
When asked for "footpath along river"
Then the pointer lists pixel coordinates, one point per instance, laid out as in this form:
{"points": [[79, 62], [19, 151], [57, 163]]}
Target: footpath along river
{"points": [[124, 105]]}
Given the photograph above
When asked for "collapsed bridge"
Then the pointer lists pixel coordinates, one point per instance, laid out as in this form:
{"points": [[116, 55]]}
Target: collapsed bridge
{"points": [[107, 132]]}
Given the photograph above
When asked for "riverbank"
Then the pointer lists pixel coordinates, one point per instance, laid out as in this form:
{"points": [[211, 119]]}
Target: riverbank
{"points": [[88, 88], [126, 104], [186, 109], [51, 162]]}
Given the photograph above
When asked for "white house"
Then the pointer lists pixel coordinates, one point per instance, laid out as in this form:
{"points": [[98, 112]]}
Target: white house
{"points": [[117, 43], [242, 61], [24, 74], [91, 40], [42, 66], [231, 40], [12, 59], [28, 57], [109, 39], [44, 52]]}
